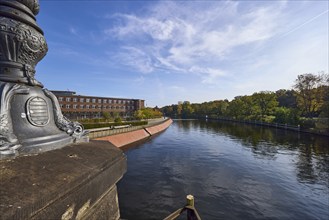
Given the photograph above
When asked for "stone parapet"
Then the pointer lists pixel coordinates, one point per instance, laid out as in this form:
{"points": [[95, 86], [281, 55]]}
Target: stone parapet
{"points": [[75, 182]]}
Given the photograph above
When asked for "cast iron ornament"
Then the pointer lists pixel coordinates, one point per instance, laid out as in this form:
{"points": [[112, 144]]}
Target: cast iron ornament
{"points": [[31, 120]]}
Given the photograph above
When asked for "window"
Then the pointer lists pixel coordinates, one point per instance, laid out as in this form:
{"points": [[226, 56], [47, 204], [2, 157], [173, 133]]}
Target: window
{"points": [[99, 107], [119, 101], [105, 101], [60, 99], [110, 101], [81, 106], [61, 105], [67, 106], [82, 99], [87, 106], [99, 101], [93, 106], [75, 99], [68, 99], [123, 101], [114, 101], [87, 100], [75, 106], [93, 100]]}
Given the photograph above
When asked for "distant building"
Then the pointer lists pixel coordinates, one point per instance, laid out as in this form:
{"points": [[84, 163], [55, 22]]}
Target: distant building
{"points": [[75, 106]]}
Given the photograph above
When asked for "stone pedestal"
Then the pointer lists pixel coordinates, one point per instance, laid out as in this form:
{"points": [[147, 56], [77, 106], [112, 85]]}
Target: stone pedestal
{"points": [[75, 182]]}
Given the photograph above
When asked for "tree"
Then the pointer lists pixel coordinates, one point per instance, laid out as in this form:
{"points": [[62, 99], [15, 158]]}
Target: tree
{"points": [[187, 110], [106, 115], [286, 98], [309, 96], [285, 115], [237, 108], [179, 109], [139, 114], [266, 102], [147, 113]]}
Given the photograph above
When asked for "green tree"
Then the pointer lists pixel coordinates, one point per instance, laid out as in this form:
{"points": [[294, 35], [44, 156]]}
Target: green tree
{"points": [[147, 113], [285, 115], [222, 107], [179, 109], [286, 98], [139, 115], [106, 115], [266, 102], [234, 109], [309, 96], [187, 110]]}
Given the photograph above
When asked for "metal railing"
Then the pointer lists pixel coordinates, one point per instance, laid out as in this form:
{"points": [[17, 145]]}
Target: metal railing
{"points": [[191, 212]]}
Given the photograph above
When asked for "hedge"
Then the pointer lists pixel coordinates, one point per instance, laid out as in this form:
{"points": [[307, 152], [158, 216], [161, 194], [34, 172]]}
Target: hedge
{"points": [[103, 125]]}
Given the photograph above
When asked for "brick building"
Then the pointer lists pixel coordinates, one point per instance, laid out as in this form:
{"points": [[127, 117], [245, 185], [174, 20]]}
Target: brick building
{"points": [[78, 106]]}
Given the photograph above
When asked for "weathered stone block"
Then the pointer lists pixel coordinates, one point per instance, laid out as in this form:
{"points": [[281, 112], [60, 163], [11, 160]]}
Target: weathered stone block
{"points": [[75, 182]]}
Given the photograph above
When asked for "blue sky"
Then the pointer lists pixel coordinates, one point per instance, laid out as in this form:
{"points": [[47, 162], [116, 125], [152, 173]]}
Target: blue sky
{"points": [[170, 51]]}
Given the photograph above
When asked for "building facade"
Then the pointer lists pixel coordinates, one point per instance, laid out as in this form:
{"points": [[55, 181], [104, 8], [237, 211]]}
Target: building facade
{"points": [[75, 106]]}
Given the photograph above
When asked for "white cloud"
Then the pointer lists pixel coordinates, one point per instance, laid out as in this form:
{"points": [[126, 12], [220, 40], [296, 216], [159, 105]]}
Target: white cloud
{"points": [[209, 75], [157, 29], [199, 37], [136, 58], [183, 36]]}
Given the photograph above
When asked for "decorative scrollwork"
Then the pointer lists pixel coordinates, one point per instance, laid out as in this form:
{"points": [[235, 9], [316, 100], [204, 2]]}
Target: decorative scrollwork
{"points": [[22, 44], [8, 140], [72, 128], [33, 5]]}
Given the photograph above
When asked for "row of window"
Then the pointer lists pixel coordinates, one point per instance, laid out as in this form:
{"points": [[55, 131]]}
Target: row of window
{"points": [[98, 107], [93, 100]]}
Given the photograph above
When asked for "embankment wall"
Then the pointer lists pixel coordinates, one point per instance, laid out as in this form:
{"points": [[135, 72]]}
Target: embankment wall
{"points": [[158, 128], [123, 139]]}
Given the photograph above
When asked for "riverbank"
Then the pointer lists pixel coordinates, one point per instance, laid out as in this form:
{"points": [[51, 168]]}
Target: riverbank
{"points": [[126, 136], [273, 125]]}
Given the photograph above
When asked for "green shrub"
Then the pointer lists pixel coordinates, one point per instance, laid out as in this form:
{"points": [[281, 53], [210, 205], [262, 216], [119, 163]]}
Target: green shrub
{"points": [[307, 123], [103, 125], [118, 120]]}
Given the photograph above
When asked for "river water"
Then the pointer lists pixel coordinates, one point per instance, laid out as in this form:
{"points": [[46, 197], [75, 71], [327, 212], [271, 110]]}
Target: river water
{"points": [[234, 171]]}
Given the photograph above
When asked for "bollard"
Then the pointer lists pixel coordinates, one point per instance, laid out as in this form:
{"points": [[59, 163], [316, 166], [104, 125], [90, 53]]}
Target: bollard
{"points": [[190, 211], [190, 200]]}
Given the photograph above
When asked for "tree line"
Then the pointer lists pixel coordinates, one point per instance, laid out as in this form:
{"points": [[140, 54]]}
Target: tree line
{"points": [[306, 104]]}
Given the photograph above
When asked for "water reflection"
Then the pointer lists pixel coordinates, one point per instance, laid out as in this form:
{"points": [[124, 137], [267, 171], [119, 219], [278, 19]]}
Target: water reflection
{"points": [[235, 171], [312, 160]]}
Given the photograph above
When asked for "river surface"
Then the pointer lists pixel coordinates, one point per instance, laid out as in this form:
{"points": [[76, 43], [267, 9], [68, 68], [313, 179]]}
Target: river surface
{"points": [[235, 171]]}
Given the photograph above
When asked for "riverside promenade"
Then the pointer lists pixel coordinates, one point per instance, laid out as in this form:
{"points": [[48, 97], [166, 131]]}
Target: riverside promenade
{"points": [[124, 136]]}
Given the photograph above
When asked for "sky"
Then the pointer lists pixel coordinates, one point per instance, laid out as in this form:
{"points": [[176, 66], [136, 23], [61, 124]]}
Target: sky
{"points": [[183, 50]]}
